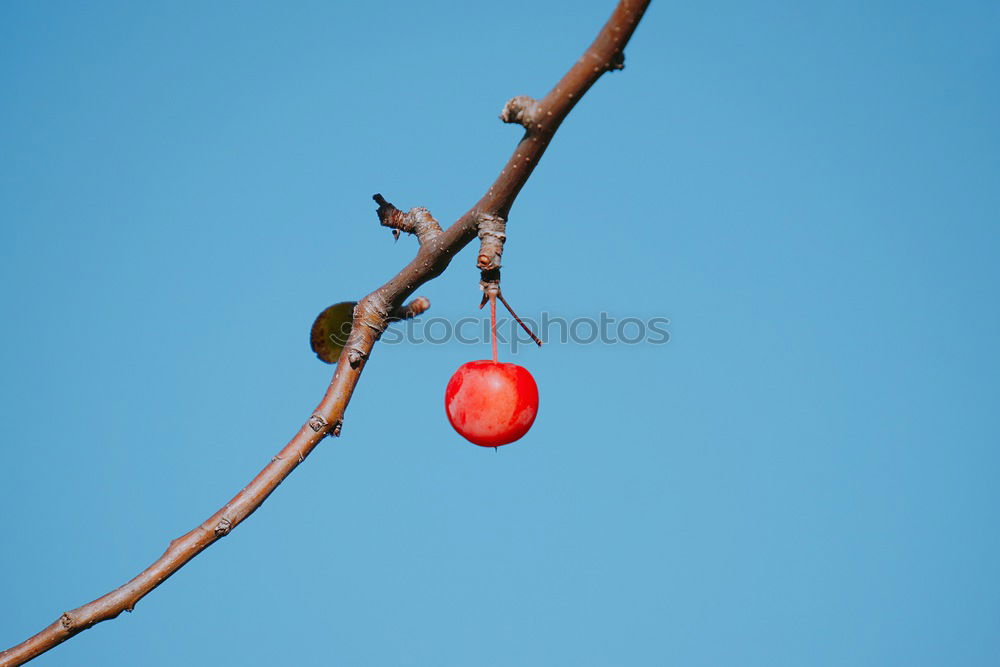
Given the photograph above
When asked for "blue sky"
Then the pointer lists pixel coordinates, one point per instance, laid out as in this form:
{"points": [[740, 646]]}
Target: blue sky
{"points": [[806, 474]]}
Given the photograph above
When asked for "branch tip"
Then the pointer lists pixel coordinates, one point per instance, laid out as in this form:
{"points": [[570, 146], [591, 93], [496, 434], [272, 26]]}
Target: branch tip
{"points": [[416, 307], [418, 221]]}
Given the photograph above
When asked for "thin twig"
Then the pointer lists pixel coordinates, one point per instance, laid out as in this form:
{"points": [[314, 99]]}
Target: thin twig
{"points": [[371, 316], [538, 341]]}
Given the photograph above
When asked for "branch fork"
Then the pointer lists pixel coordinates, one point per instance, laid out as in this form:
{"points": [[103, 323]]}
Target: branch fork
{"points": [[371, 317]]}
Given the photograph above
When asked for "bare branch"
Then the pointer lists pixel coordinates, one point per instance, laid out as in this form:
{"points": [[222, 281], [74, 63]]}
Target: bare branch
{"points": [[371, 316], [417, 221]]}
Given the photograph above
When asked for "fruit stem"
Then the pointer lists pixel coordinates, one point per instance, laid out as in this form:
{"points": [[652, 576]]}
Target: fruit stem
{"points": [[524, 326], [493, 325]]}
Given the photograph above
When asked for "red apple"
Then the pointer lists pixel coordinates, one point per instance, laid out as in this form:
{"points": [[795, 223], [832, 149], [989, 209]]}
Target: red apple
{"points": [[490, 403]]}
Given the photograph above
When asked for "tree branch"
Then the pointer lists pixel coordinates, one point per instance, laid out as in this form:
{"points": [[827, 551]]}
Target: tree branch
{"points": [[417, 221], [372, 314], [416, 307], [492, 234]]}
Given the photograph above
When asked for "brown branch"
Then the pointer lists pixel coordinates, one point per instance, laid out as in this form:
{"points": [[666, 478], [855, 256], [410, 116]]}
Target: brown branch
{"points": [[492, 234], [371, 316], [417, 221], [415, 307]]}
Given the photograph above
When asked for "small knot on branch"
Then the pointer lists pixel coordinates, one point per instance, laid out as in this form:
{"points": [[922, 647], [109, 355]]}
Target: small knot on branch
{"points": [[223, 527], [617, 61], [372, 312], [521, 110], [66, 621], [317, 423], [371, 317], [492, 234], [424, 224], [354, 357], [418, 221]]}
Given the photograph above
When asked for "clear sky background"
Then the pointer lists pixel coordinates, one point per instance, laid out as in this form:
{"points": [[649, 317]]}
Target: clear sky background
{"points": [[807, 474]]}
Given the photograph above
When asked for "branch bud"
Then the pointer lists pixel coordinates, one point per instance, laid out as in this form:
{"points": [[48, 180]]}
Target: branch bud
{"points": [[521, 110]]}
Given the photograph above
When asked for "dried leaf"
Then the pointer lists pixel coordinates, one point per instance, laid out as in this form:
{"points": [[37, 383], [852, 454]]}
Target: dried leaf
{"points": [[331, 329]]}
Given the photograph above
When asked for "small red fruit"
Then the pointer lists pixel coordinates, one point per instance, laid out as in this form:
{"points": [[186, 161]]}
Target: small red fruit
{"points": [[490, 403]]}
